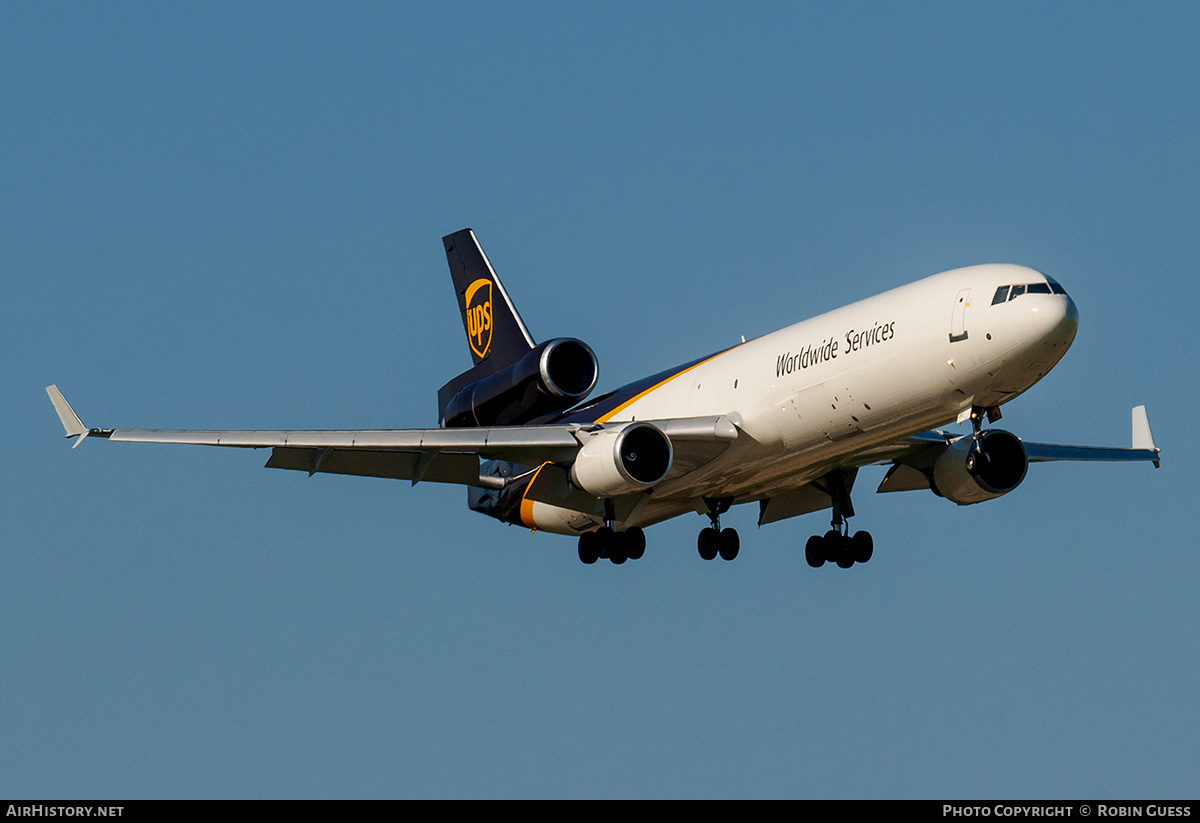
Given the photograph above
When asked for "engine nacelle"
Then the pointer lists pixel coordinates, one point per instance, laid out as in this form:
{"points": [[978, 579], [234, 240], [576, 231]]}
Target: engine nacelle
{"points": [[622, 461], [964, 476], [552, 377]]}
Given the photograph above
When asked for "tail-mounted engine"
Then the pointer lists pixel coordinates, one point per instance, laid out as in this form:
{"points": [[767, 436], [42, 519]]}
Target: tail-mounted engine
{"points": [[964, 474], [614, 462], [552, 377]]}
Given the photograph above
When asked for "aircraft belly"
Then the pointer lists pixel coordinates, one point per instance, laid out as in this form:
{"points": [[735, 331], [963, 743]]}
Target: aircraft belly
{"points": [[557, 520], [791, 442], [781, 451]]}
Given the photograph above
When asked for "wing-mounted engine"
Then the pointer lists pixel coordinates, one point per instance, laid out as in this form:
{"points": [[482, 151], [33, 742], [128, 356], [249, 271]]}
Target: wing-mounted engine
{"points": [[621, 461], [964, 474], [552, 377]]}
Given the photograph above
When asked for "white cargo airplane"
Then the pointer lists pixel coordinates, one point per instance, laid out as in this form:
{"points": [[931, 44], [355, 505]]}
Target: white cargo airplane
{"points": [[785, 420]]}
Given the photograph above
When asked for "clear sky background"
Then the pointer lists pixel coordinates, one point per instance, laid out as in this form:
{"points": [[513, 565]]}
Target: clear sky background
{"points": [[214, 216]]}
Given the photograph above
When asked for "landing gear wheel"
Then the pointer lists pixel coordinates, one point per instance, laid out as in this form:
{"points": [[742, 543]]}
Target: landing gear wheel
{"points": [[729, 543], [589, 547], [614, 545], [832, 543], [708, 543], [635, 543], [864, 546], [845, 558], [814, 551], [610, 545]]}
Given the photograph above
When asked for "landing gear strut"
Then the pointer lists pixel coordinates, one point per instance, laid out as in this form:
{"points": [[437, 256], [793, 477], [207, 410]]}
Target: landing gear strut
{"points": [[977, 414], [714, 540], [836, 545]]}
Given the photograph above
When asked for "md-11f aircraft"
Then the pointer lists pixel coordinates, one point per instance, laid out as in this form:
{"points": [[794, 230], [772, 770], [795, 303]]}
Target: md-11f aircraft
{"points": [[785, 420]]}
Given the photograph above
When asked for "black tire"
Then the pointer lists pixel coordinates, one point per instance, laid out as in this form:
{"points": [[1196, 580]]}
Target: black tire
{"points": [[635, 543], [814, 551], [604, 541], [708, 543], [589, 548], [846, 554], [864, 546], [729, 544], [833, 545], [611, 545]]}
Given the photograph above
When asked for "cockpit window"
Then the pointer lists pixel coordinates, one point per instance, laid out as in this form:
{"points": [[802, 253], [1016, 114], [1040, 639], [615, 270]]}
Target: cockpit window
{"points": [[1005, 293]]}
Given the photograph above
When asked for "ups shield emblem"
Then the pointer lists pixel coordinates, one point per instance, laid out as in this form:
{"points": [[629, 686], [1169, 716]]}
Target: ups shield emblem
{"points": [[478, 300]]}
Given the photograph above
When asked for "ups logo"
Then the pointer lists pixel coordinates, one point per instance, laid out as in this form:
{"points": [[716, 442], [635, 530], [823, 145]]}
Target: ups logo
{"points": [[478, 301]]}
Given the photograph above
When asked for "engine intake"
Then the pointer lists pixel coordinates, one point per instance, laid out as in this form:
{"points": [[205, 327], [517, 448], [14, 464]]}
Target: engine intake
{"points": [[622, 461], [964, 476], [552, 377]]}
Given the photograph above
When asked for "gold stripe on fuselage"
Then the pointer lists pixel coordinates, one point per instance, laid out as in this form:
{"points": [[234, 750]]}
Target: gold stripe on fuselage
{"points": [[604, 418]]}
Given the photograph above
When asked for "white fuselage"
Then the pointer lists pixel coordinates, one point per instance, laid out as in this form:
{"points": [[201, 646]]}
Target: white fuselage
{"points": [[825, 391]]}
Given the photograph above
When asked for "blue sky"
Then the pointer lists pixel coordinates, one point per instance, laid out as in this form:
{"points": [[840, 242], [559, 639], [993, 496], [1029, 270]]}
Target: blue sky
{"points": [[221, 216]]}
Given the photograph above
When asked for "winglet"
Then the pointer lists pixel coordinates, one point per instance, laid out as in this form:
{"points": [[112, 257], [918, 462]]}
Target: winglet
{"points": [[70, 420], [1142, 438]]}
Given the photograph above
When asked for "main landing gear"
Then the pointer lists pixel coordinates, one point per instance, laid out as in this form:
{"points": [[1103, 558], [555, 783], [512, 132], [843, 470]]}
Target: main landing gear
{"points": [[612, 545], [714, 540], [836, 545]]}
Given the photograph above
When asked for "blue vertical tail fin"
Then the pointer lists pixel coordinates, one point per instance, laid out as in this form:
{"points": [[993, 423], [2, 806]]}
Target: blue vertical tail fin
{"points": [[496, 335]]}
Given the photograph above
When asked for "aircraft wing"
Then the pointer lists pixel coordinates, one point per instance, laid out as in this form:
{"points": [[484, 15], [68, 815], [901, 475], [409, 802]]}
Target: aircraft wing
{"points": [[1143, 447], [914, 456], [441, 455], [912, 459]]}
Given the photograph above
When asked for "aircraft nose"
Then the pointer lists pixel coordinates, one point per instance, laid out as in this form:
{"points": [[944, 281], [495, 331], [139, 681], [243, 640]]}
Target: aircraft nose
{"points": [[1071, 317], [1057, 319]]}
